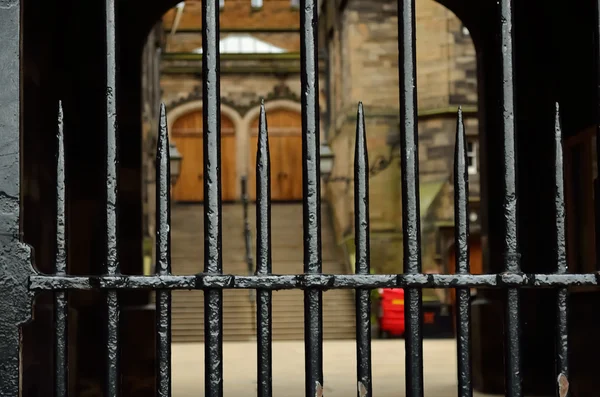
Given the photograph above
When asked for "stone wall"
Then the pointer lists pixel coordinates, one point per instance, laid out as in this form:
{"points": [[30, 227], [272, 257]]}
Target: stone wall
{"points": [[239, 15], [364, 47], [362, 42], [241, 91]]}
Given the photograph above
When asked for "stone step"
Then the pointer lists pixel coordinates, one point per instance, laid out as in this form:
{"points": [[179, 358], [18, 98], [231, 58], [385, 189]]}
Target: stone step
{"points": [[239, 313]]}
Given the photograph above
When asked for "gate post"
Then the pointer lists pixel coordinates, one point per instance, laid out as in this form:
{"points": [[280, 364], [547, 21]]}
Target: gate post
{"points": [[15, 257]]}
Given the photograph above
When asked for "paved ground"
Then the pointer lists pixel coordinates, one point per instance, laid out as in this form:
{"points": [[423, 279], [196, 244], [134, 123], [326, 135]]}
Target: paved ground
{"points": [[339, 369]]}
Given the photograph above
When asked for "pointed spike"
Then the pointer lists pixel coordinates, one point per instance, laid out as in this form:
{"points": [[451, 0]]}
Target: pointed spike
{"points": [[60, 268], [461, 198], [163, 193], [363, 266], [361, 139], [460, 145], [557, 121], [461, 243], [263, 195], [559, 198], [562, 296], [61, 253], [263, 255], [163, 255], [361, 193]]}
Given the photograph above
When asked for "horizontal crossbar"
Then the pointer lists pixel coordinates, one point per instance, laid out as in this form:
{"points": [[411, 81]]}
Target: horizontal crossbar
{"points": [[310, 281]]}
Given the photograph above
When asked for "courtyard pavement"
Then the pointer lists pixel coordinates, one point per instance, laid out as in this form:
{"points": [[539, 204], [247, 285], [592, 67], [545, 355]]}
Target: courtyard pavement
{"points": [[339, 369]]}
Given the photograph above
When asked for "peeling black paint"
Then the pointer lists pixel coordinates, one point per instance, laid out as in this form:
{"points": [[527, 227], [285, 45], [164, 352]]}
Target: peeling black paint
{"points": [[263, 257], [163, 256], [60, 268], [113, 381], [211, 118], [411, 229], [562, 297], [311, 193], [512, 341], [461, 242], [322, 282], [363, 252]]}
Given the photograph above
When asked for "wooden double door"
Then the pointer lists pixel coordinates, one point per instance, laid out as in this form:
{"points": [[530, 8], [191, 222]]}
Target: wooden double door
{"points": [[187, 134], [285, 144], [285, 147]]}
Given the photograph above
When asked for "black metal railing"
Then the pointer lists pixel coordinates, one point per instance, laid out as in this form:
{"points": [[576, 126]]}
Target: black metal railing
{"points": [[19, 278], [314, 283]]}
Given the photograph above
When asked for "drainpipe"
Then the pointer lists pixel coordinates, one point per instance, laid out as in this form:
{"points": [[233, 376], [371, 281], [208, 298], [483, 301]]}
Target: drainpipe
{"points": [[180, 8]]}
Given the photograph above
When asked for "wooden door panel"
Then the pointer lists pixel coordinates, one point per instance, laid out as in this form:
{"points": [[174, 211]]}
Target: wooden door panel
{"points": [[228, 171], [285, 146], [291, 165], [286, 168], [189, 186], [187, 134], [278, 171]]}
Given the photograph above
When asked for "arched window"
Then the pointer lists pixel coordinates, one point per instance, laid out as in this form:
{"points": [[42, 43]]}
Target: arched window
{"points": [[245, 44]]}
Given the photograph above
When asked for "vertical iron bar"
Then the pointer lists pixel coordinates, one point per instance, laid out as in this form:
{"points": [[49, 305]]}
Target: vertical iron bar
{"points": [[311, 189], [263, 256], [562, 364], [512, 316], [511, 246], [60, 298], [363, 265], [112, 264], [211, 117], [461, 242], [163, 253], [597, 180], [410, 195]]}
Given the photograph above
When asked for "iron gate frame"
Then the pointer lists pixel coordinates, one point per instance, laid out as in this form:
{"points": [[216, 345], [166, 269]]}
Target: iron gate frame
{"points": [[19, 281]]}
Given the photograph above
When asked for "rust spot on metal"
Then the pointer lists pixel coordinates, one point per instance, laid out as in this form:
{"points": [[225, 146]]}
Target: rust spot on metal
{"points": [[319, 392], [362, 390], [563, 385]]}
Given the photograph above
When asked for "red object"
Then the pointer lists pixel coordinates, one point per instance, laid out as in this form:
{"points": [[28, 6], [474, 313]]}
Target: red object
{"points": [[391, 316]]}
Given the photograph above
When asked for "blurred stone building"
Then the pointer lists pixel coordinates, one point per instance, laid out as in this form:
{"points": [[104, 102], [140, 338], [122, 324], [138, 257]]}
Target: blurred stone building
{"points": [[361, 38]]}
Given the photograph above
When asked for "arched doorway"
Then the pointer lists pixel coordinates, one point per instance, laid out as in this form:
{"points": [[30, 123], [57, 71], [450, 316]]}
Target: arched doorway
{"points": [[187, 134], [285, 147]]}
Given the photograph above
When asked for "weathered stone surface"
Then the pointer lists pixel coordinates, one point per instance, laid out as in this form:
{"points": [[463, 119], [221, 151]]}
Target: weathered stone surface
{"points": [[363, 51], [239, 14]]}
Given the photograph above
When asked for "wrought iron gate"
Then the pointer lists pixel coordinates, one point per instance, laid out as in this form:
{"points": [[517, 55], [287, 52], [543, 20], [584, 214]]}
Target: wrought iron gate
{"points": [[19, 281]]}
